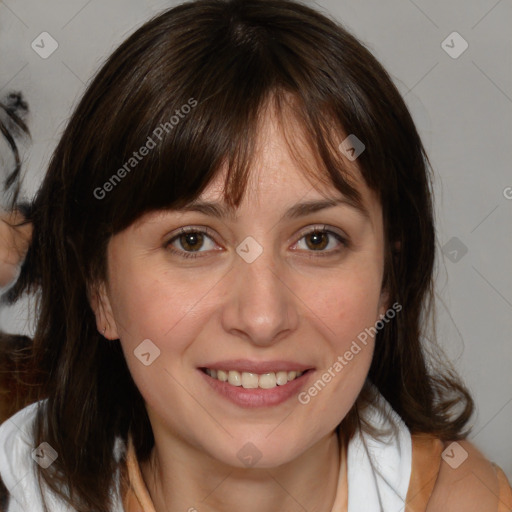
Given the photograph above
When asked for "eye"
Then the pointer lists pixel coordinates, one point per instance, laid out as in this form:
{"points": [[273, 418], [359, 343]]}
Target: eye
{"points": [[319, 238], [191, 239]]}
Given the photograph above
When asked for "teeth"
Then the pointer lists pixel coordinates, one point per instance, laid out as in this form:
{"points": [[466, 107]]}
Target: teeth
{"points": [[268, 381], [249, 380], [281, 378], [234, 378], [253, 380]]}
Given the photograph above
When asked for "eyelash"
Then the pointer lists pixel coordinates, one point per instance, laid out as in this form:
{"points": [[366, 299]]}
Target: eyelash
{"points": [[207, 231]]}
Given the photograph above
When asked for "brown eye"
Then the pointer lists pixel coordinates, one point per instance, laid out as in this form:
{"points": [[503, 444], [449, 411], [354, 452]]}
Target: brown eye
{"points": [[191, 241], [317, 240]]}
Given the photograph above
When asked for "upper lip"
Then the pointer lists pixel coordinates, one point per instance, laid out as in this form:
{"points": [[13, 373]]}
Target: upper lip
{"points": [[246, 365]]}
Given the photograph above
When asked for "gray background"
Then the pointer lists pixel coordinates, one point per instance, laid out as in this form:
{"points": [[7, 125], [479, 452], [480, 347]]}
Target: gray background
{"points": [[462, 107]]}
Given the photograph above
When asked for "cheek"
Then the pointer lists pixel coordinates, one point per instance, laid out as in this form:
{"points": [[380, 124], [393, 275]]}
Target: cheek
{"points": [[148, 305], [151, 303], [345, 311], [347, 303], [147, 302]]}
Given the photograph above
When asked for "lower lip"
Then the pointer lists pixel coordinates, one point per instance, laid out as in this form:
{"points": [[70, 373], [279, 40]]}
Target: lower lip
{"points": [[258, 397]]}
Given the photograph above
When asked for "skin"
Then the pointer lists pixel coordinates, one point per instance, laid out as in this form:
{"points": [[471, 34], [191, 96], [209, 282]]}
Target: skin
{"points": [[284, 305], [14, 242]]}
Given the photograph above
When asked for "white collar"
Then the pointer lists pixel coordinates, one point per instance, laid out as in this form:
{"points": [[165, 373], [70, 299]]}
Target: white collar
{"points": [[379, 469]]}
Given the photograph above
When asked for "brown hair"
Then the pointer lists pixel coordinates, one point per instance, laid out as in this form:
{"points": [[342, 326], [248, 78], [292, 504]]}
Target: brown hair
{"points": [[231, 57]]}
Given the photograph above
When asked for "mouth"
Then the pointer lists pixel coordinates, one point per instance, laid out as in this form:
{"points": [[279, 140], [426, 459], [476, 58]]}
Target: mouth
{"points": [[256, 385], [249, 380]]}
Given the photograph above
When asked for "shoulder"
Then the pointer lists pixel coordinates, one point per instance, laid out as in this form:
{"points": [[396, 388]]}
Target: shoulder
{"points": [[468, 481], [16, 447], [20, 488], [18, 427]]}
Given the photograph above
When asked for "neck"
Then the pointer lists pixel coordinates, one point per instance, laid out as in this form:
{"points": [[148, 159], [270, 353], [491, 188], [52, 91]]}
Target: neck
{"points": [[181, 478]]}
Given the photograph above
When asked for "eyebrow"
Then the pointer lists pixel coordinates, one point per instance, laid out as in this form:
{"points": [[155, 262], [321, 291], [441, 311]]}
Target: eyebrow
{"points": [[296, 211]]}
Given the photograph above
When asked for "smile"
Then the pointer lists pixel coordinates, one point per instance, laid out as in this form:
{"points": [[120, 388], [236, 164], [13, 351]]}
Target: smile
{"points": [[249, 380], [249, 383]]}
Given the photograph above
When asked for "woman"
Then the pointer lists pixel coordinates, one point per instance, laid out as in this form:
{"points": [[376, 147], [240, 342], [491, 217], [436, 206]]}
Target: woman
{"points": [[226, 248]]}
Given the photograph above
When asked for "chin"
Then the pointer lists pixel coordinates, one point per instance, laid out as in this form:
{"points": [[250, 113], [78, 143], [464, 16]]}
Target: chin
{"points": [[260, 451]]}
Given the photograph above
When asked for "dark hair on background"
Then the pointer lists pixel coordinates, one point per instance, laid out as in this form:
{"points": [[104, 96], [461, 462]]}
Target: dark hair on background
{"points": [[234, 57], [13, 111]]}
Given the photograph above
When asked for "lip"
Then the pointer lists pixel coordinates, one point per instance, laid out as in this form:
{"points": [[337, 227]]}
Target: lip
{"points": [[246, 365], [258, 397]]}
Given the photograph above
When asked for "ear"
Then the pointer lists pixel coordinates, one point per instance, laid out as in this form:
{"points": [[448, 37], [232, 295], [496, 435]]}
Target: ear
{"points": [[101, 306], [384, 301]]}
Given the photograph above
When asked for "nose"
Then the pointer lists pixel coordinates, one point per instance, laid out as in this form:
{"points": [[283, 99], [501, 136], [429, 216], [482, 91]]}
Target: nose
{"points": [[262, 307]]}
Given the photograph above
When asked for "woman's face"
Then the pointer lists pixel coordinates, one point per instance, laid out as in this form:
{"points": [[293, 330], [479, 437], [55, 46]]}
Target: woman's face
{"points": [[257, 294]]}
